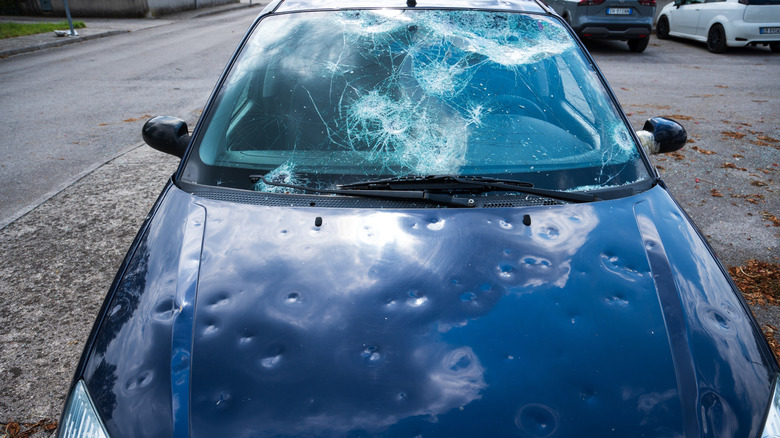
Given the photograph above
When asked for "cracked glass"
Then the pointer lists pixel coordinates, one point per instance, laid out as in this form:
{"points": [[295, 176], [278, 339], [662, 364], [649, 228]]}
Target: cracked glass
{"points": [[334, 97]]}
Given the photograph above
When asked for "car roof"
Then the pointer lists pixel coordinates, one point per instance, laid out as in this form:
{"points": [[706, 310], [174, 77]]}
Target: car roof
{"points": [[503, 5]]}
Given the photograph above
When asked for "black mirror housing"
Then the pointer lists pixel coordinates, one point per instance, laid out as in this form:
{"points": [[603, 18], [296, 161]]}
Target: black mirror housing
{"points": [[167, 134], [668, 135]]}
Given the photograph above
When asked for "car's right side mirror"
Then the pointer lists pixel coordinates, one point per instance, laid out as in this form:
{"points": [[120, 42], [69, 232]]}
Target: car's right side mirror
{"points": [[661, 135]]}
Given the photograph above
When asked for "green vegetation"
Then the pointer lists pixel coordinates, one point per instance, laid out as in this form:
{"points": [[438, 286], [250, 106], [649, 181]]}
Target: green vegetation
{"points": [[10, 30]]}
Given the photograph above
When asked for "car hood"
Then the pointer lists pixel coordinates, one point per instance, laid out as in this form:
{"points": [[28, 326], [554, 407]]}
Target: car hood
{"points": [[233, 319]]}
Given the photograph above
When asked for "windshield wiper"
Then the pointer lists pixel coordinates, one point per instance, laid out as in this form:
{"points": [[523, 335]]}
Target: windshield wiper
{"points": [[411, 195], [467, 184]]}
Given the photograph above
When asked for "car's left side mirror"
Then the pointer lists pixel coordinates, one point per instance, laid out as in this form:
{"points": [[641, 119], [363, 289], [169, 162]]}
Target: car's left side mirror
{"points": [[661, 135], [167, 134]]}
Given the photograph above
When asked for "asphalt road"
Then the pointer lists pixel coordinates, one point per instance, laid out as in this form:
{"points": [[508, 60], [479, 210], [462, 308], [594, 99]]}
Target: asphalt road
{"points": [[86, 102], [68, 109]]}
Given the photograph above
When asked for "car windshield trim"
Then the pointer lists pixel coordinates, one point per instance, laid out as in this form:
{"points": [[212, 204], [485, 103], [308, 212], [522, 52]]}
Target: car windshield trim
{"points": [[436, 188], [412, 195], [456, 182], [468, 184]]}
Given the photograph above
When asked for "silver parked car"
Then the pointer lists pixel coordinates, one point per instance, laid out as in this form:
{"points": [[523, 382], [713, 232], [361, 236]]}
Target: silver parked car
{"points": [[628, 20]]}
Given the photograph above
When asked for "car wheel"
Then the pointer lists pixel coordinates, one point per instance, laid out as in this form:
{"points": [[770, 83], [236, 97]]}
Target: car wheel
{"points": [[716, 39], [638, 45], [775, 47], [662, 28]]}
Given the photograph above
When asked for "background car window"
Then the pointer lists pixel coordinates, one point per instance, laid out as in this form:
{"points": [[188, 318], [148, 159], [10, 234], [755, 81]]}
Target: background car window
{"points": [[343, 96]]}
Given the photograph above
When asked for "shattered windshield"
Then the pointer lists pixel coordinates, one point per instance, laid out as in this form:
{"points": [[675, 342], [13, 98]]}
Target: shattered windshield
{"points": [[335, 97]]}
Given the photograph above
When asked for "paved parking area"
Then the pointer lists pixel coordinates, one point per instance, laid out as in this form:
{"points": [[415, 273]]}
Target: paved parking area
{"points": [[726, 177]]}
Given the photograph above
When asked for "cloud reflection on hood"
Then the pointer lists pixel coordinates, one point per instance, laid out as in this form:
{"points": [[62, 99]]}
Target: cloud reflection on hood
{"points": [[353, 325]]}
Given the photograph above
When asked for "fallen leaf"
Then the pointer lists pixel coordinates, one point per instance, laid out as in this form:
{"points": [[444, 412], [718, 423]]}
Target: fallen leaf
{"points": [[14, 429], [660, 107], [765, 215], [716, 194], [678, 117], [732, 134], [676, 155], [11, 429], [703, 151], [733, 166], [764, 143]]}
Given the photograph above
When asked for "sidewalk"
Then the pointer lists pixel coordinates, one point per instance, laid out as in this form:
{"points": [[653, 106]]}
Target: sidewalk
{"points": [[102, 27]]}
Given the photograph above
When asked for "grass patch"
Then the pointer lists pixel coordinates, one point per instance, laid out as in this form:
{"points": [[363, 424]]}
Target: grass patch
{"points": [[10, 30]]}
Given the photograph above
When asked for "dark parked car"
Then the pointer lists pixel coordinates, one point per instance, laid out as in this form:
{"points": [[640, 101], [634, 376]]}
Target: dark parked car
{"points": [[627, 20], [428, 220]]}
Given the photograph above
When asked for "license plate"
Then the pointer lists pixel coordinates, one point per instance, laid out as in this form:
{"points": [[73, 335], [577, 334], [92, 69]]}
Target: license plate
{"points": [[770, 30], [619, 11]]}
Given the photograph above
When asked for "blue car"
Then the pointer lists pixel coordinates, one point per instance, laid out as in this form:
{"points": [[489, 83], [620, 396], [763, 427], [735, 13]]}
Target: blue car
{"points": [[433, 219]]}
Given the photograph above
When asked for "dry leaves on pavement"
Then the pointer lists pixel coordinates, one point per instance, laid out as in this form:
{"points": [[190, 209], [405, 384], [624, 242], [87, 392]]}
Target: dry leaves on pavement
{"points": [[760, 285], [758, 281], [25, 430]]}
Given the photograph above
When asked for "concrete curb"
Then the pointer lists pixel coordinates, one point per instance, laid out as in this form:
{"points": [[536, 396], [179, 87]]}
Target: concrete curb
{"points": [[57, 190], [57, 43]]}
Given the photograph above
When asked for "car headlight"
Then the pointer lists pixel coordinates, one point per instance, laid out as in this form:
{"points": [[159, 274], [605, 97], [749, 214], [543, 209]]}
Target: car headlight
{"points": [[80, 419], [772, 423]]}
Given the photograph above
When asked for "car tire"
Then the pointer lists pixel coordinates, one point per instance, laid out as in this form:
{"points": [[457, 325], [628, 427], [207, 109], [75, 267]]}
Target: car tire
{"points": [[716, 39], [662, 28], [775, 47], [638, 45]]}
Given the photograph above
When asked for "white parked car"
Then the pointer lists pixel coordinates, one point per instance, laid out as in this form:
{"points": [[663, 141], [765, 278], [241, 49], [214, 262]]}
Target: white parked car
{"points": [[722, 24]]}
